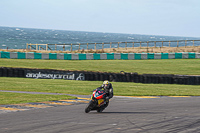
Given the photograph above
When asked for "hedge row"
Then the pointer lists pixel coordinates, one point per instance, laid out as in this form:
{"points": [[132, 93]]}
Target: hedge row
{"points": [[114, 77]]}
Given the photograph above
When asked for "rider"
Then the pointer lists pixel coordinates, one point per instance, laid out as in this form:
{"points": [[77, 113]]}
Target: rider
{"points": [[108, 89]]}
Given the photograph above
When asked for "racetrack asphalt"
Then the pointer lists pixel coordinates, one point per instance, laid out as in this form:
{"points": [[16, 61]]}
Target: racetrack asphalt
{"points": [[123, 115]]}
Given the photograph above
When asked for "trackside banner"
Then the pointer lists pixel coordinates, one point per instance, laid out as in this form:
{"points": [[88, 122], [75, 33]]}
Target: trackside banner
{"points": [[54, 75]]}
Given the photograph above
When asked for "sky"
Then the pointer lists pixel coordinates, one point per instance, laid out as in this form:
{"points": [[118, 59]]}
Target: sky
{"points": [[146, 17]]}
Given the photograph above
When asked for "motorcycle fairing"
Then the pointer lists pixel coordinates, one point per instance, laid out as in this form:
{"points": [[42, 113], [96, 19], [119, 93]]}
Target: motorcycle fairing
{"points": [[98, 94], [100, 102]]}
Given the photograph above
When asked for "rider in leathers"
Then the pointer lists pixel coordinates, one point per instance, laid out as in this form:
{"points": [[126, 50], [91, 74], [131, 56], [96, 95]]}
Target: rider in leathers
{"points": [[109, 91]]}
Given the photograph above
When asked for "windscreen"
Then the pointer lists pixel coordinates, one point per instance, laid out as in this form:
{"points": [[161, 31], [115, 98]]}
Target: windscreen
{"points": [[99, 92]]}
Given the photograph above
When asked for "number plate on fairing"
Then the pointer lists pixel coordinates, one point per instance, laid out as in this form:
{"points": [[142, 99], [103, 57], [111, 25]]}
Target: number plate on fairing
{"points": [[100, 102]]}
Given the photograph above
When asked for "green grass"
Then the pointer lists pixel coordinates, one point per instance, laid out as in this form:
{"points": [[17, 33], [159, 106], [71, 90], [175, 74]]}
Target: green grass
{"points": [[85, 87], [16, 98], [168, 66], [48, 85]]}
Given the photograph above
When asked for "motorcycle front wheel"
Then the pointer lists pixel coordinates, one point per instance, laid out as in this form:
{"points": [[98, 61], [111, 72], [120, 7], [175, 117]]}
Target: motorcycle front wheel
{"points": [[88, 107]]}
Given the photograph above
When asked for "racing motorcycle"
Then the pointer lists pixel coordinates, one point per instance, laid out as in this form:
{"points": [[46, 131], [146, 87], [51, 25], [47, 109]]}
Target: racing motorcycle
{"points": [[97, 101]]}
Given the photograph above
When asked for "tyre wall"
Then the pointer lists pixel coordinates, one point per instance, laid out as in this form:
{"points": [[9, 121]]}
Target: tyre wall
{"points": [[97, 76]]}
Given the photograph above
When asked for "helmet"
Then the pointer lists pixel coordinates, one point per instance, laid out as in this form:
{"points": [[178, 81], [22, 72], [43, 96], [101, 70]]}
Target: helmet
{"points": [[106, 82]]}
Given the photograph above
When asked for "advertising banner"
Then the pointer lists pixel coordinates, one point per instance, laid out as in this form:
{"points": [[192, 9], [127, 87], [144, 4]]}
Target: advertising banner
{"points": [[41, 74]]}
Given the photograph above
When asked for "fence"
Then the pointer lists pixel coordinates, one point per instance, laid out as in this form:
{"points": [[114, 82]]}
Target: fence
{"points": [[103, 45], [98, 56]]}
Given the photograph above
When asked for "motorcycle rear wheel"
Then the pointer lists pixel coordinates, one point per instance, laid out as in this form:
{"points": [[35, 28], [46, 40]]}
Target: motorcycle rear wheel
{"points": [[99, 110]]}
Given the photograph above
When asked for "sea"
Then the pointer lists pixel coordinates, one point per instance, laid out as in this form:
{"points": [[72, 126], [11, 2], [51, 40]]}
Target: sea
{"points": [[17, 38]]}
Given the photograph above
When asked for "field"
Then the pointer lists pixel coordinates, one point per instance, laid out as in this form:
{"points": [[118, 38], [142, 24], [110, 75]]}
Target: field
{"points": [[173, 66], [167, 66]]}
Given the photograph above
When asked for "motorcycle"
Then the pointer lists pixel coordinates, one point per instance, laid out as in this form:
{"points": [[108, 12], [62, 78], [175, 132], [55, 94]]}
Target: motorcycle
{"points": [[97, 101]]}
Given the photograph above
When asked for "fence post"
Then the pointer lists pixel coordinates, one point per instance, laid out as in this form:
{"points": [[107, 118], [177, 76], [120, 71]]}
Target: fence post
{"points": [[55, 47], [133, 44], [118, 45], [162, 43], [26, 46], [147, 46], [140, 44], [95, 46], [110, 44], [71, 47], [185, 43], [46, 47], [102, 45], [154, 43], [79, 46], [177, 43], [87, 46], [193, 43]]}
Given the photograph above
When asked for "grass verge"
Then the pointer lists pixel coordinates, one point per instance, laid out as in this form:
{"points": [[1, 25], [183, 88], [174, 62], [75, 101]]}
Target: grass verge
{"points": [[85, 88], [16, 98], [169, 66]]}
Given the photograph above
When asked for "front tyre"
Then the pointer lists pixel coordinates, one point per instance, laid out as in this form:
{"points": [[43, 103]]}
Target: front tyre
{"points": [[87, 110], [88, 107]]}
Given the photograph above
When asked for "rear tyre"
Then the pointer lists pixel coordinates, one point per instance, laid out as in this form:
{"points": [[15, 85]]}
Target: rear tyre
{"points": [[100, 110]]}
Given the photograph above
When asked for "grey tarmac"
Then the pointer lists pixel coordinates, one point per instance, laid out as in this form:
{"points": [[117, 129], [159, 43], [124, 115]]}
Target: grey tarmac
{"points": [[123, 115]]}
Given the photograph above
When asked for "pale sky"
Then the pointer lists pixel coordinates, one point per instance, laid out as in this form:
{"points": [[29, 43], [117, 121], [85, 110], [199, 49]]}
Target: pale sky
{"points": [[148, 17]]}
